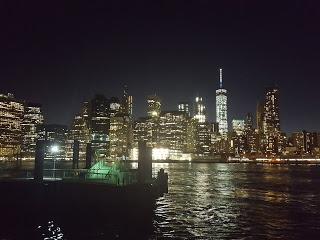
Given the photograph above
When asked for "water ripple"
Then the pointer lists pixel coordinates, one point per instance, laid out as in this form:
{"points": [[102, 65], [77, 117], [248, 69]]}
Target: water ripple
{"points": [[239, 201]]}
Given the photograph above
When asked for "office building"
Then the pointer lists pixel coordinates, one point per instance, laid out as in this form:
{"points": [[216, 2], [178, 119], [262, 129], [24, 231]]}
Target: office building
{"points": [[80, 131], [154, 106], [11, 117], [200, 110], [32, 118], [146, 129], [115, 106], [271, 121], [127, 102], [203, 138], [184, 107], [99, 120], [238, 126], [120, 136], [173, 130]]}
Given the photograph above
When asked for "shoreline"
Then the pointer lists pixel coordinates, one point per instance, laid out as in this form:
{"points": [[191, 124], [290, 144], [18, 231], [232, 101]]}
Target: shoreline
{"points": [[255, 161]]}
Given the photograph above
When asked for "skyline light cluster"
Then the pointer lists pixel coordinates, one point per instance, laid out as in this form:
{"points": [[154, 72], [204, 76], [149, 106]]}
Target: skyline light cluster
{"points": [[107, 126]]}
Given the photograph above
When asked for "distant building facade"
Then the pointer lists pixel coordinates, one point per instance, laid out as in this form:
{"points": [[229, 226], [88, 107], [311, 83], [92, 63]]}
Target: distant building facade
{"points": [[200, 110], [32, 119], [271, 122], [11, 118], [154, 106]]}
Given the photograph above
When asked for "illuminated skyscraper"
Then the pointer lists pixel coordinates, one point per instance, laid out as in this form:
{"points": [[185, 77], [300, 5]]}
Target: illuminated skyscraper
{"points": [[32, 118], [154, 106], [120, 136], [173, 130], [237, 137], [259, 117], [271, 120], [203, 138], [80, 131], [126, 102], [146, 129], [222, 108], [11, 117], [200, 110], [238, 126], [191, 142], [184, 107], [99, 116], [251, 136], [115, 106]]}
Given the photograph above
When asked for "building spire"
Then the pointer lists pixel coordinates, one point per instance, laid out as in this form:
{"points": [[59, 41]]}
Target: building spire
{"points": [[220, 77]]}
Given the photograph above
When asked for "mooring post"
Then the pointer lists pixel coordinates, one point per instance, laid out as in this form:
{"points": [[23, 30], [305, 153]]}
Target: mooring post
{"points": [[88, 156], [144, 162], [39, 158], [163, 181], [75, 156]]}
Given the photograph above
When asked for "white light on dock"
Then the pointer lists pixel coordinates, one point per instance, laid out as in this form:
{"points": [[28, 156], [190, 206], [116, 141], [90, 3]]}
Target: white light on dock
{"points": [[54, 149]]}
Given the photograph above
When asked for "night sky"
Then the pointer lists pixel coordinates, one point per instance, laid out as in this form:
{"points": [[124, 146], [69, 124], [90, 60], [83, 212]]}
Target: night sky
{"points": [[60, 53]]}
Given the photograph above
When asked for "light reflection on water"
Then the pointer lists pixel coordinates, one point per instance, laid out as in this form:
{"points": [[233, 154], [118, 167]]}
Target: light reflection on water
{"points": [[225, 201], [50, 231], [235, 201]]}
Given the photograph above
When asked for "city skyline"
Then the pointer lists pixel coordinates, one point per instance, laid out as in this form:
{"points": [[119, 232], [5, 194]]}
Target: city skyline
{"points": [[160, 119], [107, 127], [210, 113]]}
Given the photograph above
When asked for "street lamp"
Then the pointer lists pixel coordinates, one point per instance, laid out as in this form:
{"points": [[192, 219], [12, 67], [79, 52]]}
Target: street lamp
{"points": [[54, 150]]}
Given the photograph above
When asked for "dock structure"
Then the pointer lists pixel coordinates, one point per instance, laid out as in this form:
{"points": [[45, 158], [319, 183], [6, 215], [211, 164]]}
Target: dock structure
{"points": [[118, 173], [113, 191], [144, 163]]}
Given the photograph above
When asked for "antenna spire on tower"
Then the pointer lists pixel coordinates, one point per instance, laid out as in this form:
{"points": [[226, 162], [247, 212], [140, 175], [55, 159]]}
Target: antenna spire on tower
{"points": [[220, 77]]}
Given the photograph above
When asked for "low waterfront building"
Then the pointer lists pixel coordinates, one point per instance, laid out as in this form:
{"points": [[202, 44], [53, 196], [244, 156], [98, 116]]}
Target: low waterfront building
{"points": [[11, 118], [55, 137], [32, 118]]}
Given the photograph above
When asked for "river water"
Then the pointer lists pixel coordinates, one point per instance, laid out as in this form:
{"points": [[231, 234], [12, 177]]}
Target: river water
{"points": [[221, 201], [240, 201]]}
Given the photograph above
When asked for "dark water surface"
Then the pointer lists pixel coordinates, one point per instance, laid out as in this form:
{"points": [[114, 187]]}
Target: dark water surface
{"points": [[213, 201], [240, 201]]}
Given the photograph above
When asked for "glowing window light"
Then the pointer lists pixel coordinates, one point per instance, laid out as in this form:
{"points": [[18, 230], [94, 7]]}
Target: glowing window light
{"points": [[160, 153]]}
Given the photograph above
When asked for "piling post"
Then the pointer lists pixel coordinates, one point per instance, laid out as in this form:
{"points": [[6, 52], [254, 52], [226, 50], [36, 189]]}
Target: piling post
{"points": [[162, 181], [39, 159], [144, 162], [75, 156], [88, 156]]}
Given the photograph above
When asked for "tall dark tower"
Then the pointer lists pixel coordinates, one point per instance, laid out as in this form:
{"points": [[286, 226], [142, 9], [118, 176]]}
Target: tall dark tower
{"points": [[126, 102], [259, 117], [271, 121], [99, 126]]}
